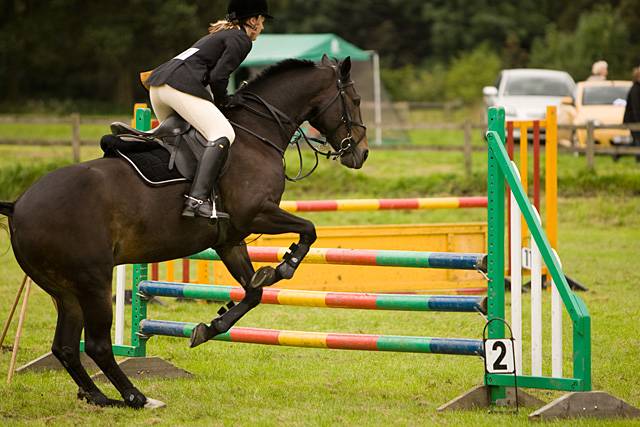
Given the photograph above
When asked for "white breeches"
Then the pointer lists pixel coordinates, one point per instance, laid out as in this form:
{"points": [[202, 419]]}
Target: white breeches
{"points": [[200, 113]]}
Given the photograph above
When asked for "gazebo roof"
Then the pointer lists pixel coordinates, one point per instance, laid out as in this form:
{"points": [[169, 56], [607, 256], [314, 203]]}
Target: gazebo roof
{"points": [[273, 48]]}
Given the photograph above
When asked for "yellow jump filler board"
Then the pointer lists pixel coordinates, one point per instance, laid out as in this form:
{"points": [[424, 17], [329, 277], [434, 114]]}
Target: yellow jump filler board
{"points": [[469, 238]]}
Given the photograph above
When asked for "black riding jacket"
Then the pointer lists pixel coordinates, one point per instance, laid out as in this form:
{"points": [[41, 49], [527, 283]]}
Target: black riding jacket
{"points": [[209, 62]]}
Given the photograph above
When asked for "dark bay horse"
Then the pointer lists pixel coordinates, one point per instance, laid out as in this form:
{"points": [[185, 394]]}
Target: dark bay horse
{"points": [[72, 227]]}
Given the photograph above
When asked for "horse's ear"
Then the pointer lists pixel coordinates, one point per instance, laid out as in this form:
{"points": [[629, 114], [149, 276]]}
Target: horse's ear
{"points": [[325, 60], [345, 67]]}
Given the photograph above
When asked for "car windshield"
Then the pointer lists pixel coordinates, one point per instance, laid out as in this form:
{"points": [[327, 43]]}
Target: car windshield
{"points": [[531, 85], [604, 95]]}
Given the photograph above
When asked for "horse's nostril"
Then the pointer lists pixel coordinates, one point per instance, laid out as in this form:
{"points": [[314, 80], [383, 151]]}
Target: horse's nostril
{"points": [[365, 155]]}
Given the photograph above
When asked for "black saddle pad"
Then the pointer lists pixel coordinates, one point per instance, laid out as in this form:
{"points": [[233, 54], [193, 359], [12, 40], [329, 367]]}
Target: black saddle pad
{"points": [[148, 159]]}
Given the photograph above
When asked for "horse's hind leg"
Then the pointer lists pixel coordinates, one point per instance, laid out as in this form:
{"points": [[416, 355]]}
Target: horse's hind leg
{"points": [[66, 348], [237, 261], [97, 311]]}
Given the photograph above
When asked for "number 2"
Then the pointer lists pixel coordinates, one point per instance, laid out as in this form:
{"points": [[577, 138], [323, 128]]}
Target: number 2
{"points": [[497, 365]]}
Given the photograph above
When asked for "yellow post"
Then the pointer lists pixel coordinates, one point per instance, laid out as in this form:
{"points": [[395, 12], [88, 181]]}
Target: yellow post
{"points": [[524, 170], [551, 176]]}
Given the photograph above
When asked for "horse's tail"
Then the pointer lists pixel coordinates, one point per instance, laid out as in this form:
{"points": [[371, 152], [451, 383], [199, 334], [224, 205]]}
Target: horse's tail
{"points": [[6, 208]]}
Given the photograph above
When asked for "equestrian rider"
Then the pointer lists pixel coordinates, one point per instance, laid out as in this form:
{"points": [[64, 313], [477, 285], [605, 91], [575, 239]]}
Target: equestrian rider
{"points": [[194, 85]]}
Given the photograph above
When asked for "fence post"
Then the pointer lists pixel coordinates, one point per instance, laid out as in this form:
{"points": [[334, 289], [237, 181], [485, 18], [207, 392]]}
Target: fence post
{"points": [[447, 112], [75, 136], [468, 149], [590, 144]]}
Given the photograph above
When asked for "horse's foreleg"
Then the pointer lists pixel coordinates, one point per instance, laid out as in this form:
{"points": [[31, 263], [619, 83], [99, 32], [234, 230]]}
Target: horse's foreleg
{"points": [[236, 259], [274, 220]]}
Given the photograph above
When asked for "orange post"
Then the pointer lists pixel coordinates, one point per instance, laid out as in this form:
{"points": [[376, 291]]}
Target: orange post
{"points": [[551, 177], [524, 169], [171, 271]]}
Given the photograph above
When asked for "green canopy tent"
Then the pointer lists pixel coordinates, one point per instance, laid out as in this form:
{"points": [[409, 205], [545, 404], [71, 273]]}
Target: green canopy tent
{"points": [[273, 48]]}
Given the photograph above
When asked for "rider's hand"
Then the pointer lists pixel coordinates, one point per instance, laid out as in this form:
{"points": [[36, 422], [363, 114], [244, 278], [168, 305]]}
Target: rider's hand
{"points": [[222, 102], [228, 103]]}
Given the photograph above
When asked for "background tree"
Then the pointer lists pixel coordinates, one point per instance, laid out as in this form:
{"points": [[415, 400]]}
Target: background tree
{"points": [[601, 34], [65, 53]]}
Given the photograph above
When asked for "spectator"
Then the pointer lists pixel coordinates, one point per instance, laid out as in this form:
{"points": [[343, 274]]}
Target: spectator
{"points": [[632, 110], [599, 71]]}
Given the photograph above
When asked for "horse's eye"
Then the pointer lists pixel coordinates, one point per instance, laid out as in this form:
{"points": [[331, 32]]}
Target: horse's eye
{"points": [[357, 101]]}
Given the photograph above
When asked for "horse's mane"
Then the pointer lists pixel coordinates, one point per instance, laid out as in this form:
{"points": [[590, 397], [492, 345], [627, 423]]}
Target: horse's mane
{"points": [[280, 67]]}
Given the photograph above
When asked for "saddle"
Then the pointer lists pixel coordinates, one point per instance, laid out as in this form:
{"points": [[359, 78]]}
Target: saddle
{"points": [[167, 154]]}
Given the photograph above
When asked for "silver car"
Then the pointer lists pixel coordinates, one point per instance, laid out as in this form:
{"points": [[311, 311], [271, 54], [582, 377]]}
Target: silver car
{"points": [[526, 93]]}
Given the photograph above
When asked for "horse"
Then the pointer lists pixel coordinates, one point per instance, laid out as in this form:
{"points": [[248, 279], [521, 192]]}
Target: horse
{"points": [[74, 225]]}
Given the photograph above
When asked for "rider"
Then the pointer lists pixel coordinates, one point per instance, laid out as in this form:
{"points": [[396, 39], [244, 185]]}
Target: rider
{"points": [[194, 85]]}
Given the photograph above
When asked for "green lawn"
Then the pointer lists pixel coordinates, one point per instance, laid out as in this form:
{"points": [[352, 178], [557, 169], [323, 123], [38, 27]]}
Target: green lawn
{"points": [[240, 384], [52, 132]]}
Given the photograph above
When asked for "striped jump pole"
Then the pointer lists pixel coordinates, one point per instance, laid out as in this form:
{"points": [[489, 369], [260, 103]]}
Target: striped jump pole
{"points": [[414, 259], [423, 203], [470, 304], [384, 204], [447, 260], [407, 344]]}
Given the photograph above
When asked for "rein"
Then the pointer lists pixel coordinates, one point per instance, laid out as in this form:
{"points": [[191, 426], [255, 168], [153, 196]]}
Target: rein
{"points": [[347, 145], [278, 116]]}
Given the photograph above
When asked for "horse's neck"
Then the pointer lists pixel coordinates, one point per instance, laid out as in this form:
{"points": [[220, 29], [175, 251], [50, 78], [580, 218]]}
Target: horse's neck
{"points": [[292, 97]]}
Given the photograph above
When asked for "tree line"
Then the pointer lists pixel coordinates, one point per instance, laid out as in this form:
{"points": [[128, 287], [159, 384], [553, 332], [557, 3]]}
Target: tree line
{"points": [[66, 52]]}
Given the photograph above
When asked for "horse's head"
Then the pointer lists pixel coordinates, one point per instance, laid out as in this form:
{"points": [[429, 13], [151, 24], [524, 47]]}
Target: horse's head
{"points": [[337, 116]]}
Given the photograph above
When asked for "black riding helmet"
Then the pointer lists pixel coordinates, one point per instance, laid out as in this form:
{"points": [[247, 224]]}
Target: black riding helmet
{"points": [[242, 9]]}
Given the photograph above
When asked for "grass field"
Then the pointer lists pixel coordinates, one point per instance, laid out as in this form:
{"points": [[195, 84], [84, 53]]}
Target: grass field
{"points": [[239, 384]]}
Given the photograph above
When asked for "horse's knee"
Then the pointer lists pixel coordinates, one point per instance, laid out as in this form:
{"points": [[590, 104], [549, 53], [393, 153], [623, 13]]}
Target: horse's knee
{"points": [[99, 350], [308, 235], [67, 356]]}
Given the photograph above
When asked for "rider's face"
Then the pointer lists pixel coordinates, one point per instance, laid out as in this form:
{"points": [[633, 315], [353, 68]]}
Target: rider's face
{"points": [[255, 27]]}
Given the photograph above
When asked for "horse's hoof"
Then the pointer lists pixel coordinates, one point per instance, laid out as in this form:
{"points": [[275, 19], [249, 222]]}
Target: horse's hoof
{"points": [[265, 276], [99, 399], [134, 399], [113, 403], [199, 335], [154, 404]]}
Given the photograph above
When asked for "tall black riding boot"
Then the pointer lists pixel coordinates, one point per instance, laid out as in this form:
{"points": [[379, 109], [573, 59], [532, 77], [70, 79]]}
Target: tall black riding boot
{"points": [[199, 201]]}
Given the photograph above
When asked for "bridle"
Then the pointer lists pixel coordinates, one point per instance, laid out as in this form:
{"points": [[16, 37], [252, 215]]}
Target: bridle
{"points": [[347, 145]]}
